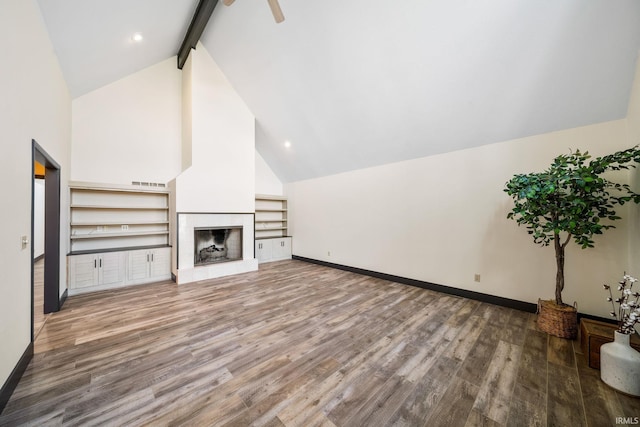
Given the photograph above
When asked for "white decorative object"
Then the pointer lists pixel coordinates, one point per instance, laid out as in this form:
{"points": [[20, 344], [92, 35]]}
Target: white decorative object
{"points": [[620, 365]]}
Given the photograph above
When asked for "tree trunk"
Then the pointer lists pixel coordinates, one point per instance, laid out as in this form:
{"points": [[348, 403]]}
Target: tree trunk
{"points": [[560, 265]]}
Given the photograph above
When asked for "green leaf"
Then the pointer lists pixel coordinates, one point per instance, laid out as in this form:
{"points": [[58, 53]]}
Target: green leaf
{"points": [[573, 195]]}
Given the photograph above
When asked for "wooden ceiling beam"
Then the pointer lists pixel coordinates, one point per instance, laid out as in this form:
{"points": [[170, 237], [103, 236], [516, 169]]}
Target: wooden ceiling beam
{"points": [[197, 26]]}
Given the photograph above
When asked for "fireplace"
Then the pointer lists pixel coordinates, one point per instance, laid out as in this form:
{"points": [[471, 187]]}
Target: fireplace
{"points": [[210, 245], [217, 244]]}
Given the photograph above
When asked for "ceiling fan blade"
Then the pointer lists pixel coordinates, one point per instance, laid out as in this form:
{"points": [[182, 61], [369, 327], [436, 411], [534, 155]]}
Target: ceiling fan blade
{"points": [[275, 9], [228, 2]]}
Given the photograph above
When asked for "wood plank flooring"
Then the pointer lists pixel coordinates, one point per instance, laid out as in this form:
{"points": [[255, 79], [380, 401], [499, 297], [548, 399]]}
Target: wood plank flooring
{"points": [[297, 344], [38, 297]]}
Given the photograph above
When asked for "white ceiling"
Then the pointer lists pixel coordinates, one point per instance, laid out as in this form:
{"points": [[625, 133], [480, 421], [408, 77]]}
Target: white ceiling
{"points": [[92, 38], [357, 83]]}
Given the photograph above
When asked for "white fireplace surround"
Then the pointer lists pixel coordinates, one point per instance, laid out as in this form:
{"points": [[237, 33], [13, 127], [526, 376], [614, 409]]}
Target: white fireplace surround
{"points": [[188, 222]]}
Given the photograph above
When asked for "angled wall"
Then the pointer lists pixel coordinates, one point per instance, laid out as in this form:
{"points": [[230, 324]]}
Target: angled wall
{"points": [[266, 180], [129, 130], [442, 219]]}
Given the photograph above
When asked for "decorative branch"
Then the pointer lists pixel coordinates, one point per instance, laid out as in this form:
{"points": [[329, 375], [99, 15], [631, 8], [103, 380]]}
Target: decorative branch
{"points": [[628, 309]]}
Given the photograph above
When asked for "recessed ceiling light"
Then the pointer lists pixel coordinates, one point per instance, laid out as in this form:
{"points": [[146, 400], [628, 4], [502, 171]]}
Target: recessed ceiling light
{"points": [[137, 37], [287, 144]]}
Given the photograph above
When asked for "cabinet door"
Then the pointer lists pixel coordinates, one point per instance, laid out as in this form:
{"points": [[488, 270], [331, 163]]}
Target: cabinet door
{"points": [[160, 266], [138, 265], [110, 268], [263, 250], [83, 271], [282, 248]]}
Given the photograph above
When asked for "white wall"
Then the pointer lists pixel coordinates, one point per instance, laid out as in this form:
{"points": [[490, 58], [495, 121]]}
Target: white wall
{"points": [[222, 173], [38, 218], [221, 177], [633, 111], [130, 130], [35, 104], [441, 219], [266, 180], [633, 125], [187, 118]]}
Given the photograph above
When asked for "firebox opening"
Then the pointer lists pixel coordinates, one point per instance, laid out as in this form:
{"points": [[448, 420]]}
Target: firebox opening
{"points": [[217, 244]]}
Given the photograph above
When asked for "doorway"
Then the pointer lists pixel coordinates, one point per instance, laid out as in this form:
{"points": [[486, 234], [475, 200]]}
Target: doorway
{"points": [[38, 249], [51, 265]]}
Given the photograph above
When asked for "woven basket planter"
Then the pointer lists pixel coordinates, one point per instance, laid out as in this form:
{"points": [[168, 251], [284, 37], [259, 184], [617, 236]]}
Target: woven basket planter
{"points": [[558, 320]]}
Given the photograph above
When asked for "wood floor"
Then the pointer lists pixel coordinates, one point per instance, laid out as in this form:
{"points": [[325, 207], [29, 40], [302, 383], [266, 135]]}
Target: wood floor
{"points": [[38, 297], [297, 344]]}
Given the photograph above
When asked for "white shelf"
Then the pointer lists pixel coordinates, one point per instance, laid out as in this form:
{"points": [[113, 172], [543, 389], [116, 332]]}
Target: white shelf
{"points": [[103, 223], [97, 212], [123, 234], [269, 197], [114, 188], [271, 229], [111, 207], [270, 210]]}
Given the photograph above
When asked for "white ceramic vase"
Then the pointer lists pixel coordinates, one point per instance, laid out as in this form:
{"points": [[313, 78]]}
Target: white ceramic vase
{"points": [[620, 365]]}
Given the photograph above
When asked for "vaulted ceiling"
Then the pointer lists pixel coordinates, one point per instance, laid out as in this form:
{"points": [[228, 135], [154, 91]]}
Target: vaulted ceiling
{"points": [[358, 83]]}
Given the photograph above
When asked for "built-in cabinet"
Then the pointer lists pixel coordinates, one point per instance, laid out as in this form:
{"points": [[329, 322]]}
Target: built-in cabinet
{"points": [[119, 236], [271, 228], [273, 249], [91, 270], [149, 265], [100, 271]]}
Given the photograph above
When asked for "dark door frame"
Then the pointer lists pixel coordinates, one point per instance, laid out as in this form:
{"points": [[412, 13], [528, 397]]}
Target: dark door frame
{"points": [[51, 229]]}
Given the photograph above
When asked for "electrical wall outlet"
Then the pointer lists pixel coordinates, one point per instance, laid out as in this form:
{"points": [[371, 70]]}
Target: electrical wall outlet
{"points": [[125, 227], [328, 253], [476, 277]]}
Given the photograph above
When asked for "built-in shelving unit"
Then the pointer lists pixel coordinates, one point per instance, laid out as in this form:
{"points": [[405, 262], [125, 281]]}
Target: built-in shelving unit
{"points": [[271, 216], [273, 242], [119, 236], [111, 216]]}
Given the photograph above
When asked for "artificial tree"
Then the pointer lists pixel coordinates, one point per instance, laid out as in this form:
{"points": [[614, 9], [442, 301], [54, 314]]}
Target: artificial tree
{"points": [[571, 200]]}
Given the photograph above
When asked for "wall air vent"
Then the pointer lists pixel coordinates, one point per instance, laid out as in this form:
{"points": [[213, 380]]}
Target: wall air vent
{"points": [[148, 184]]}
